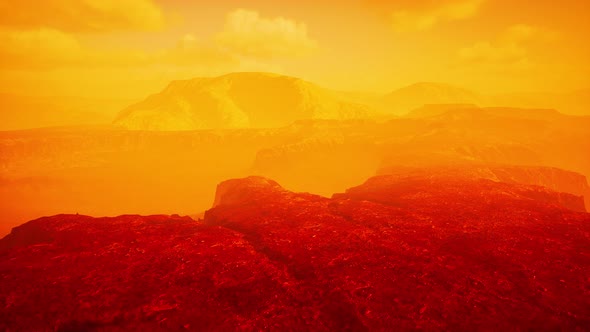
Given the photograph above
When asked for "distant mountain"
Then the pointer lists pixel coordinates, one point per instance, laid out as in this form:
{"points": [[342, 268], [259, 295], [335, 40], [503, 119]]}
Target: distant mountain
{"points": [[462, 110], [403, 100], [415, 96], [25, 112], [574, 103], [262, 100], [238, 100], [430, 110]]}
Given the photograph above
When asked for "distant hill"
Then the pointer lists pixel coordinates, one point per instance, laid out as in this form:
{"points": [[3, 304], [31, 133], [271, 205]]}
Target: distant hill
{"points": [[454, 110], [403, 100], [262, 100], [573, 103], [429, 110], [25, 112], [409, 98], [238, 100]]}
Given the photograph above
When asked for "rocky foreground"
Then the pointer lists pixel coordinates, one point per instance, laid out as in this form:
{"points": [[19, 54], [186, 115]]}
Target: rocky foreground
{"points": [[399, 252]]}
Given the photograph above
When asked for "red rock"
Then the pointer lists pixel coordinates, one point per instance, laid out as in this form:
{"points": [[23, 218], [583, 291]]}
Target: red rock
{"points": [[396, 253]]}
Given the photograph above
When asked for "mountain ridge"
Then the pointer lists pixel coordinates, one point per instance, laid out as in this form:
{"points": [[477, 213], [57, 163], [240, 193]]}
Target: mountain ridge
{"points": [[263, 100], [238, 100]]}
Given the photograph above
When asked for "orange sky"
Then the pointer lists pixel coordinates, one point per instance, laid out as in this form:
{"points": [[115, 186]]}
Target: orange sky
{"points": [[129, 48]]}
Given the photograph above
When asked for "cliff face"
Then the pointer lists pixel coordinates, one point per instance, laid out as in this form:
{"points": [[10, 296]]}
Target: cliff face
{"points": [[238, 100], [345, 154], [555, 179], [432, 252], [238, 191], [410, 190], [110, 172]]}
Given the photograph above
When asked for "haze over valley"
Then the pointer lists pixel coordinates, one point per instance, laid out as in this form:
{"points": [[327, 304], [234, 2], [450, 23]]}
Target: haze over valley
{"points": [[166, 154], [362, 165]]}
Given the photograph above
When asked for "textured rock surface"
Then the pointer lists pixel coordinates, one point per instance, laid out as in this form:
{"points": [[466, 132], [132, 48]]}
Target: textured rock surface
{"points": [[555, 179], [395, 253]]}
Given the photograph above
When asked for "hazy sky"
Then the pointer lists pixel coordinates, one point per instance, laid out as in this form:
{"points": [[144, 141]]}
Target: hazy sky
{"points": [[129, 48]]}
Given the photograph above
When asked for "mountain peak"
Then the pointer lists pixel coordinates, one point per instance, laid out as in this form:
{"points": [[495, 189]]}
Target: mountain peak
{"points": [[237, 100]]}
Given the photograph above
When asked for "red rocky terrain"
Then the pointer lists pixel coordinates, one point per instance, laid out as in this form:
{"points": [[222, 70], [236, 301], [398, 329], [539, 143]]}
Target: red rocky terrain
{"points": [[406, 251]]}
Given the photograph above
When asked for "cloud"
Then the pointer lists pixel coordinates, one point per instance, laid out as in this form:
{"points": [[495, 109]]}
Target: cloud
{"points": [[81, 15], [511, 47], [190, 51], [47, 49], [247, 33], [248, 40], [423, 15], [522, 33], [42, 48], [487, 52]]}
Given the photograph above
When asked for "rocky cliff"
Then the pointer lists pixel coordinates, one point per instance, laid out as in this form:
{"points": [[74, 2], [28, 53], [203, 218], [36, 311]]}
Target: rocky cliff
{"points": [[420, 252]]}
